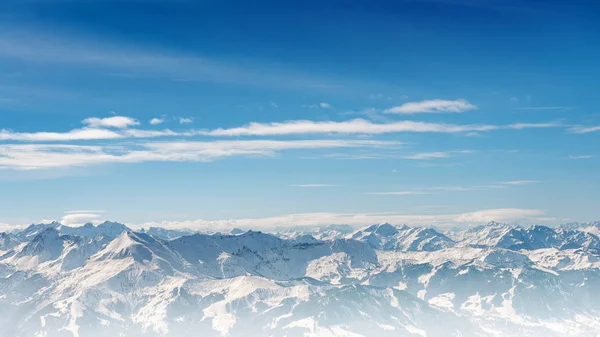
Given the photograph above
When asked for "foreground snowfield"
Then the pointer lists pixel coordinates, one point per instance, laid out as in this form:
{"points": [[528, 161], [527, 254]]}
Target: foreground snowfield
{"points": [[383, 280]]}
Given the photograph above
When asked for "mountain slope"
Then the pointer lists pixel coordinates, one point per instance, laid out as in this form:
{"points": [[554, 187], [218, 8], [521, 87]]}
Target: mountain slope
{"points": [[384, 280], [389, 237]]}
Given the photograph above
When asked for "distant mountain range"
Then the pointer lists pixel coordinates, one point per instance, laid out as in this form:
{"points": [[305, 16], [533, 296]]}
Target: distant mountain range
{"points": [[383, 280]]}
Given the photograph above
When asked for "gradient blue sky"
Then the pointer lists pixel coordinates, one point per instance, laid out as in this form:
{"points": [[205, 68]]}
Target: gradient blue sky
{"points": [[434, 112]]}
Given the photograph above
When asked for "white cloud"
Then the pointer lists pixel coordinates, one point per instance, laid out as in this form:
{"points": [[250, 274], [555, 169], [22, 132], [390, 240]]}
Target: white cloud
{"points": [[355, 126], [362, 219], [85, 211], [458, 188], [325, 105], [544, 108], [359, 126], [503, 215], [137, 133], [119, 122], [400, 193], [156, 121], [432, 106], [581, 157], [314, 185], [37, 156], [79, 219], [428, 155], [584, 129], [392, 155], [4, 227], [183, 120], [76, 134], [519, 126], [466, 188], [87, 134], [520, 182]]}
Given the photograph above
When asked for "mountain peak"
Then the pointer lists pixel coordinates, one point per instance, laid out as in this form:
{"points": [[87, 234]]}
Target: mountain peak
{"points": [[48, 233], [386, 229], [127, 244], [236, 231]]}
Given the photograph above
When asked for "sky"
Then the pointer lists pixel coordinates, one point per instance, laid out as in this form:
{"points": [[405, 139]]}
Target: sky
{"points": [[273, 113]]}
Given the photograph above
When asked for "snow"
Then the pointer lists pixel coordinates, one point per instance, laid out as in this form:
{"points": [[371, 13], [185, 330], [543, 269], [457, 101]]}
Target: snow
{"points": [[496, 279], [415, 330], [443, 301]]}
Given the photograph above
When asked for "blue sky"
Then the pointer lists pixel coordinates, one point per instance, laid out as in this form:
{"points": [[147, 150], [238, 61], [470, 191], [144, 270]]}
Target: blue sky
{"points": [[194, 113]]}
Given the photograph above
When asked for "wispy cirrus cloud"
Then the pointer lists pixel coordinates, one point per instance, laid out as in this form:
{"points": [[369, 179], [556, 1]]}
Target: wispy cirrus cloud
{"points": [[434, 155], [437, 189], [400, 193], [581, 157], [520, 182], [38, 156], [57, 49], [393, 155], [544, 108], [428, 155], [86, 134], [116, 127], [519, 126], [360, 126], [432, 106], [76, 134], [85, 211], [583, 129]]}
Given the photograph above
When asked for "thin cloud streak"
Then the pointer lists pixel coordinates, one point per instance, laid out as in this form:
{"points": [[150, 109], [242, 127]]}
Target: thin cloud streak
{"points": [[400, 193], [39, 156], [520, 182], [97, 129], [583, 129], [85, 211], [87, 134], [544, 108], [519, 126], [359, 126], [428, 190], [428, 155], [53, 49], [393, 155], [432, 106]]}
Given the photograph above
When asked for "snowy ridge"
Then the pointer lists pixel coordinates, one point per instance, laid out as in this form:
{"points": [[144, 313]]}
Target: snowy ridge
{"points": [[382, 280], [389, 237]]}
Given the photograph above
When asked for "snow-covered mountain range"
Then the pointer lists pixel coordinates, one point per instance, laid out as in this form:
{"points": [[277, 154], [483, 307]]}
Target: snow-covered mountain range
{"points": [[383, 280]]}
